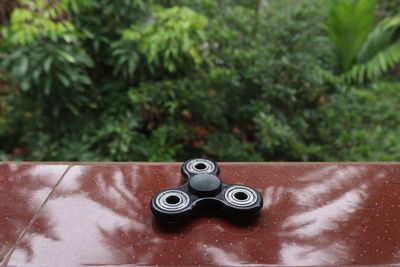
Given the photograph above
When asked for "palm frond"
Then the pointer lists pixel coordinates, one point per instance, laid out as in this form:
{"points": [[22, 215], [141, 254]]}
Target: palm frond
{"points": [[328, 76], [348, 25], [383, 35], [378, 65]]}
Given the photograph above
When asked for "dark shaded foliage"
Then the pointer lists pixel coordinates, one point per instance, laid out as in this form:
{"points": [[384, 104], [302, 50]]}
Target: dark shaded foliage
{"points": [[169, 80]]}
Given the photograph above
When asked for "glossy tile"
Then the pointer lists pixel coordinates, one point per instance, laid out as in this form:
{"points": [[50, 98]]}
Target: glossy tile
{"points": [[23, 189], [314, 214]]}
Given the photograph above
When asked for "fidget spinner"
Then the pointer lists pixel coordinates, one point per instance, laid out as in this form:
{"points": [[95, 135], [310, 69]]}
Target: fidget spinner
{"points": [[204, 188]]}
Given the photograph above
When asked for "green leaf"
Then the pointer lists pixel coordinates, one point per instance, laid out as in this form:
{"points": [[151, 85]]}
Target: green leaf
{"points": [[47, 64], [64, 80], [22, 67], [69, 58]]}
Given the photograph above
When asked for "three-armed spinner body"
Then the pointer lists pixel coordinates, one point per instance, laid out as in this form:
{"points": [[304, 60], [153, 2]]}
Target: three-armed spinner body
{"points": [[204, 188]]}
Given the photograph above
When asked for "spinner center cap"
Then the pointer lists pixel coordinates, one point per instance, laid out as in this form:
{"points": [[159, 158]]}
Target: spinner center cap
{"points": [[205, 185]]}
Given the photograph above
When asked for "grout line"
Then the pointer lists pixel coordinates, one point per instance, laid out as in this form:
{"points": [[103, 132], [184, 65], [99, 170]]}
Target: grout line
{"points": [[33, 220]]}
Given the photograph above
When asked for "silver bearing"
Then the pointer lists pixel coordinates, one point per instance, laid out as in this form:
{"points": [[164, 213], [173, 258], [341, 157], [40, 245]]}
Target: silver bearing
{"points": [[172, 200], [200, 166], [242, 196]]}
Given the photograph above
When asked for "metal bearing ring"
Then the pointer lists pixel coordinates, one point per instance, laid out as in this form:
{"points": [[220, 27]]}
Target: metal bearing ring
{"points": [[240, 196], [200, 166], [172, 200]]}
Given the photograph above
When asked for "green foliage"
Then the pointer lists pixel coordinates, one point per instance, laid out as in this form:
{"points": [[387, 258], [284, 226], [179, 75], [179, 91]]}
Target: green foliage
{"points": [[38, 19], [364, 53], [53, 75], [163, 80], [389, 7], [173, 39], [380, 52], [171, 43], [362, 125], [348, 25], [385, 33], [44, 59]]}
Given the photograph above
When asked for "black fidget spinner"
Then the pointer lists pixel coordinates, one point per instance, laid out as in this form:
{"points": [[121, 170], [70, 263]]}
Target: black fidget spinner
{"points": [[204, 188]]}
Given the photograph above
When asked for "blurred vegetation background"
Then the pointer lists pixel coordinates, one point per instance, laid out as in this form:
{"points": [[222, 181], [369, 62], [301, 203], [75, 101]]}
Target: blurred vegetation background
{"points": [[167, 80]]}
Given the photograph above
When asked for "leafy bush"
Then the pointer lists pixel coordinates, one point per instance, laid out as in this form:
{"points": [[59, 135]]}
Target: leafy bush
{"points": [[164, 80], [362, 124]]}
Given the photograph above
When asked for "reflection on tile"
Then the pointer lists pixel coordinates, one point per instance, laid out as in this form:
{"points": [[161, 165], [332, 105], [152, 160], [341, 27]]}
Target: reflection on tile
{"points": [[314, 222], [314, 214], [23, 189]]}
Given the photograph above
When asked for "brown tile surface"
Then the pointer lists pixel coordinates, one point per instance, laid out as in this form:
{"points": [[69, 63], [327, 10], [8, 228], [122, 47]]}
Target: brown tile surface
{"points": [[313, 214], [23, 189]]}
